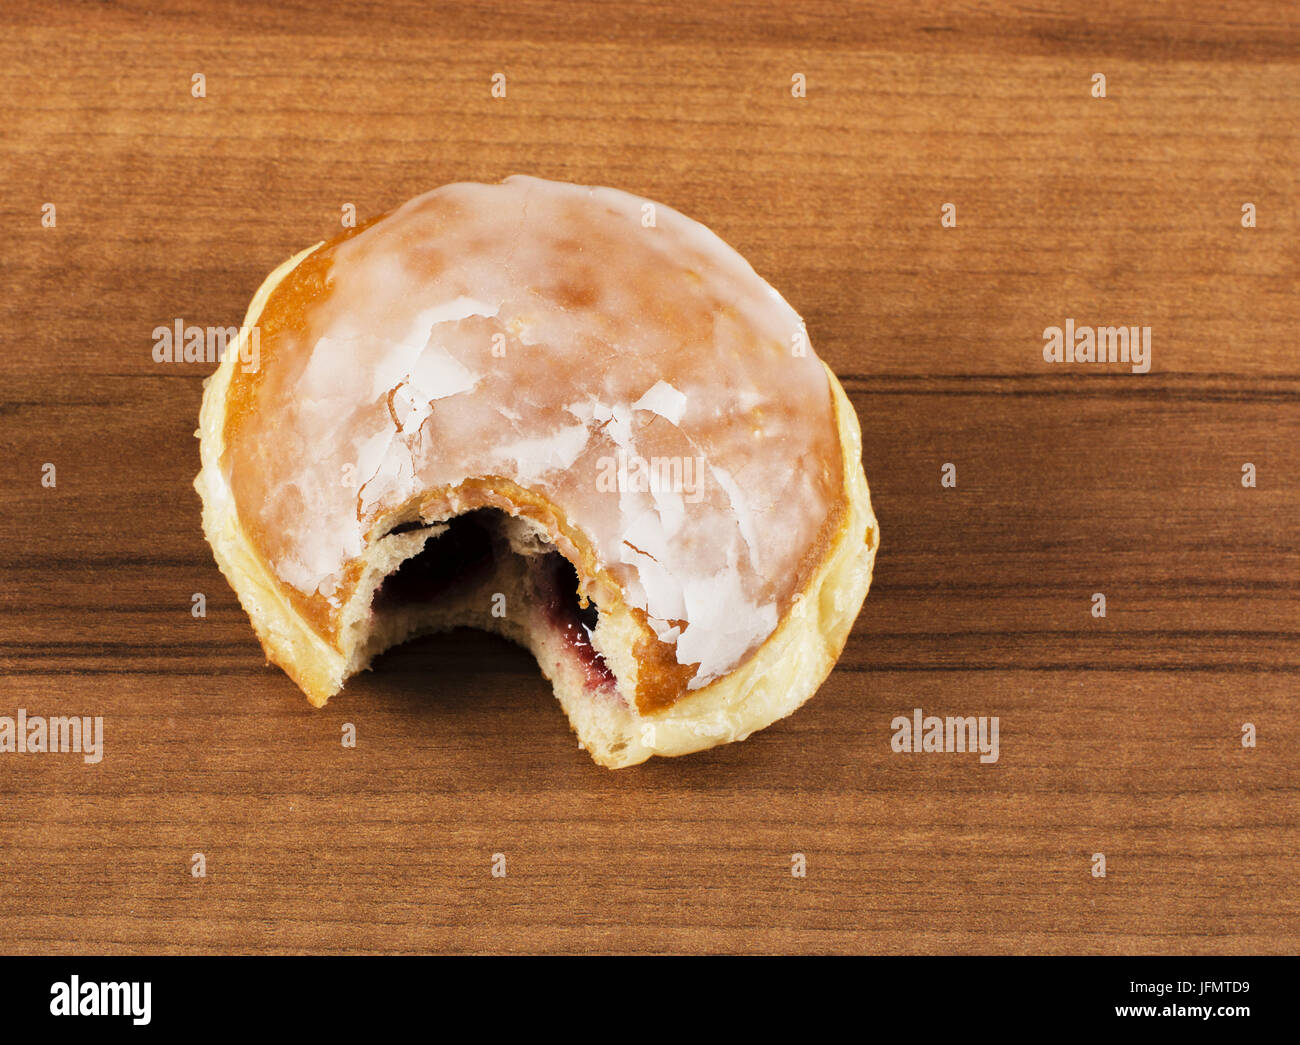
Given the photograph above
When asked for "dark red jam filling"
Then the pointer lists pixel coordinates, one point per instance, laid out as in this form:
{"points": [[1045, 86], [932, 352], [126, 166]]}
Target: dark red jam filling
{"points": [[574, 622]]}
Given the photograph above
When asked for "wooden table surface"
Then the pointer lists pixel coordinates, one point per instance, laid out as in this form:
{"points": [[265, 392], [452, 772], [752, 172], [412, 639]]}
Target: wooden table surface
{"points": [[1119, 735]]}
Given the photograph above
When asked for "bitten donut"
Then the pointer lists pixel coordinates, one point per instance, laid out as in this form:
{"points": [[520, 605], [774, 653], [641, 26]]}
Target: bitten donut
{"points": [[564, 414]]}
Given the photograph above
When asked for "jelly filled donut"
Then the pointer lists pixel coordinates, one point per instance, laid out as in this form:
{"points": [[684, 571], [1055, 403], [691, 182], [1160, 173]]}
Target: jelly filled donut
{"points": [[563, 414]]}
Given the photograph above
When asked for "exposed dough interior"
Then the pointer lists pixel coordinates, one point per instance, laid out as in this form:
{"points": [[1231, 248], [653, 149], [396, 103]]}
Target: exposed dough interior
{"points": [[489, 570]]}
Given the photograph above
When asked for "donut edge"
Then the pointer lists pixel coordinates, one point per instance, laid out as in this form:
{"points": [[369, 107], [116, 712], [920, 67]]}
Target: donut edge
{"points": [[287, 641], [790, 667]]}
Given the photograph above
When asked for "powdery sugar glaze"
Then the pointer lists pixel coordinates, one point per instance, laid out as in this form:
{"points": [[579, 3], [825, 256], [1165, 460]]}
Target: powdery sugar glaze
{"points": [[541, 332]]}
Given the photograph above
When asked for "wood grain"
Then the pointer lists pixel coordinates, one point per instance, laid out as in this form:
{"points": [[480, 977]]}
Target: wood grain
{"points": [[1119, 735]]}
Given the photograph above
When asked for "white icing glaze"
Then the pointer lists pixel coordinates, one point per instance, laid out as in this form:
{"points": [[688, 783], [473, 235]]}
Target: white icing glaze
{"points": [[664, 400], [537, 331]]}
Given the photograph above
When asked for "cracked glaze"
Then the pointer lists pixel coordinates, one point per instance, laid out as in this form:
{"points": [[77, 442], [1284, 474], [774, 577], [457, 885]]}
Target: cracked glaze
{"points": [[539, 332]]}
